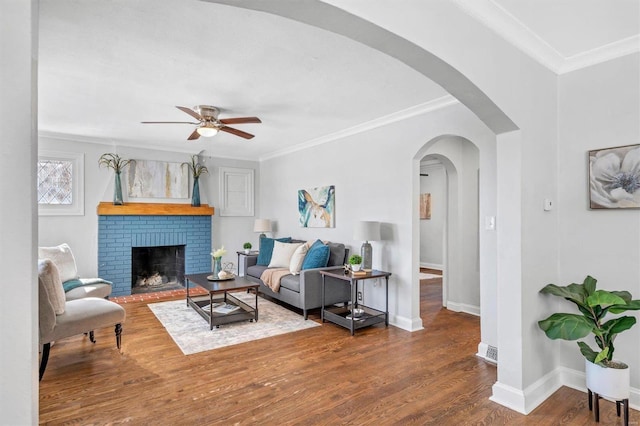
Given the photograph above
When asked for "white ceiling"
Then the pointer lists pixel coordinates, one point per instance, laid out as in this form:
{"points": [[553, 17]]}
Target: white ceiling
{"points": [[104, 66]]}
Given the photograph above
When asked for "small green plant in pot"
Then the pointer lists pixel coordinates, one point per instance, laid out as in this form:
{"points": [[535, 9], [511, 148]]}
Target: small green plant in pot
{"points": [[247, 247], [355, 261], [593, 306]]}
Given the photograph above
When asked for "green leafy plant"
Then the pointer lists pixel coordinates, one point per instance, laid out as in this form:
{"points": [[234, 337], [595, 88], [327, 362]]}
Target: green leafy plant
{"points": [[195, 167], [247, 246], [113, 161], [355, 259], [593, 305]]}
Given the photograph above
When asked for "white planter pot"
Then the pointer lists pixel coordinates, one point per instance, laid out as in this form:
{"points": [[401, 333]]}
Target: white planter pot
{"points": [[612, 383], [355, 268], [247, 251]]}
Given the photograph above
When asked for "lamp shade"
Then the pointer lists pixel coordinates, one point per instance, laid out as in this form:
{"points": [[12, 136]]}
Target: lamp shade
{"points": [[262, 225], [367, 231]]}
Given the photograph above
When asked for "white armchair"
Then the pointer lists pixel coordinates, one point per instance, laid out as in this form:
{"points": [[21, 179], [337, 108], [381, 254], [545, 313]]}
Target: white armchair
{"points": [[74, 286], [59, 318]]}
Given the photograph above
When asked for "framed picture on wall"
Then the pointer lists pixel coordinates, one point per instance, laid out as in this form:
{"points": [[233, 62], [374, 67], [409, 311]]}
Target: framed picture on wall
{"points": [[425, 206], [614, 177]]}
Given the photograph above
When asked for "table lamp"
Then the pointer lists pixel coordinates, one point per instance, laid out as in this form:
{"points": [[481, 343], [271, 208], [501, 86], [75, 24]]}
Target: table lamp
{"points": [[366, 231], [262, 226]]}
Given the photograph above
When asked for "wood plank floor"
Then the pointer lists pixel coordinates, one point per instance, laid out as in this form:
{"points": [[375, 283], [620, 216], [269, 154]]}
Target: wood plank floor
{"points": [[319, 376]]}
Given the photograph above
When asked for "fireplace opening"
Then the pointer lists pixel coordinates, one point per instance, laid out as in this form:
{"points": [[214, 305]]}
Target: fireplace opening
{"points": [[157, 268]]}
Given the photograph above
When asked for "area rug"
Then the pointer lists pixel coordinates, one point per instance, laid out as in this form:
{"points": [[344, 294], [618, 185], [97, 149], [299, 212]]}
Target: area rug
{"points": [[192, 335], [425, 276]]}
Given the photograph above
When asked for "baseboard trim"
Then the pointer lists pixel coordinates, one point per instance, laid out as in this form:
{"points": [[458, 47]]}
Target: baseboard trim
{"points": [[463, 307], [526, 401], [406, 323]]}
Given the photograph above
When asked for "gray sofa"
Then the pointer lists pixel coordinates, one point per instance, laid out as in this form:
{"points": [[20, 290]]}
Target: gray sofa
{"points": [[304, 291]]}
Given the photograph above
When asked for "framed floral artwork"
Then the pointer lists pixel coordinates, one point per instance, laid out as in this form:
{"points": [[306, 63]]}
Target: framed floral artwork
{"points": [[614, 178]]}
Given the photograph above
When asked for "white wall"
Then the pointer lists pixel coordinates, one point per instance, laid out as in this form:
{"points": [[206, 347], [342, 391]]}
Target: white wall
{"points": [[599, 108], [432, 230], [81, 232], [372, 172], [18, 216]]}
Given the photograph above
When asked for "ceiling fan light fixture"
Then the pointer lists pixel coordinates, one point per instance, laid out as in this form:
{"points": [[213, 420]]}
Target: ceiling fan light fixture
{"points": [[207, 131]]}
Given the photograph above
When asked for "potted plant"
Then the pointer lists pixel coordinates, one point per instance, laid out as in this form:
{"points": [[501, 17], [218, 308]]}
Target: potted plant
{"points": [[115, 162], [605, 376], [355, 261], [196, 170], [247, 247]]}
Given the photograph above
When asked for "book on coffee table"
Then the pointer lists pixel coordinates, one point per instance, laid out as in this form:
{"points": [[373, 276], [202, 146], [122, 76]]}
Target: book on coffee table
{"points": [[222, 308]]}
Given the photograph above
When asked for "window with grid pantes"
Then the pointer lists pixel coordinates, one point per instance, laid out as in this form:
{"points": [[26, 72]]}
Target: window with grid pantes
{"points": [[60, 180]]}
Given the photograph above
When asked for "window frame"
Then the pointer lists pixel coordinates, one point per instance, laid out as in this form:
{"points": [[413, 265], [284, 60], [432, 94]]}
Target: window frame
{"points": [[76, 208]]}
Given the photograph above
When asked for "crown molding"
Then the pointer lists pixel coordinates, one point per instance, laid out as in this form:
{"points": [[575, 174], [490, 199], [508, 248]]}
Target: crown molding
{"points": [[601, 54], [424, 108], [515, 32]]}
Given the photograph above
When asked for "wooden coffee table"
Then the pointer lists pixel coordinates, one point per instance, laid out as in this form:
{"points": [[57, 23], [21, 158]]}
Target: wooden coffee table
{"points": [[219, 293]]}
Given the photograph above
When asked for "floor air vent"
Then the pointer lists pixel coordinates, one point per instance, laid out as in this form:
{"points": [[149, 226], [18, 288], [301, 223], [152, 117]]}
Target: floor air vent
{"points": [[492, 353]]}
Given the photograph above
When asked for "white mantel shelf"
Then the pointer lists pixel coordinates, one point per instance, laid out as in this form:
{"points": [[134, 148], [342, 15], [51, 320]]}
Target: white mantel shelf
{"points": [[153, 209]]}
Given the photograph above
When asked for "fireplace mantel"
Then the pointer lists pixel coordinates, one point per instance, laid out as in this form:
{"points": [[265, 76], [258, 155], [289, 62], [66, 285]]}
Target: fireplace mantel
{"points": [[153, 209]]}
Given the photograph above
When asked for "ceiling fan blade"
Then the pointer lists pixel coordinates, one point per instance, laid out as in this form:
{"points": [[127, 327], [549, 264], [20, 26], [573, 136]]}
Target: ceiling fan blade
{"points": [[191, 113], [236, 132], [193, 136], [168, 122], [240, 120]]}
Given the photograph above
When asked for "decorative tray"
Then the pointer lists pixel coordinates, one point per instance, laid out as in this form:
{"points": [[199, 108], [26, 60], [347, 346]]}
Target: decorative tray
{"points": [[214, 278]]}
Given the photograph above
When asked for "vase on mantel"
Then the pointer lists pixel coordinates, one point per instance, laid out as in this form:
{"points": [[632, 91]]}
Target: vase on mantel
{"points": [[117, 191], [195, 196]]}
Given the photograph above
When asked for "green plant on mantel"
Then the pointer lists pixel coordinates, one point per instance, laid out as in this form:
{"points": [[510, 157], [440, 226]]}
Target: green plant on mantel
{"points": [[593, 305], [195, 167], [113, 161], [355, 259]]}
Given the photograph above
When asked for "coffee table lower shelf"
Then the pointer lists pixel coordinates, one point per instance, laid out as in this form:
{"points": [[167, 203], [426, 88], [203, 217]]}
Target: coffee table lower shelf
{"points": [[244, 313]]}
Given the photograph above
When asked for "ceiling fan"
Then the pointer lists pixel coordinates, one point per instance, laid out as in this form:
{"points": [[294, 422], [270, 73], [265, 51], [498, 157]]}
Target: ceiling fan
{"points": [[208, 122]]}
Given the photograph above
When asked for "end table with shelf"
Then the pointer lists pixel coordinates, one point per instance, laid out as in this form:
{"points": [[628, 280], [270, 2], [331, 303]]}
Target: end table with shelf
{"points": [[243, 255], [343, 315]]}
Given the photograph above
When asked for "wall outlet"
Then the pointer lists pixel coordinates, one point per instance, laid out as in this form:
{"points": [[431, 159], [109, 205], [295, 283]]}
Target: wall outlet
{"points": [[360, 295]]}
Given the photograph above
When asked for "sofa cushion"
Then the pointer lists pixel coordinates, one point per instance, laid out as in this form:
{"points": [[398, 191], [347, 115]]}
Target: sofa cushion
{"points": [[291, 282], [295, 265], [336, 254], [266, 249], [256, 270], [49, 278], [63, 258], [282, 252], [317, 256]]}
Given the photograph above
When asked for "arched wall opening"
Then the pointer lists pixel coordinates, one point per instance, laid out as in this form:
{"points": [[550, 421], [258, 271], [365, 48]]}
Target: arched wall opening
{"points": [[462, 268], [506, 161]]}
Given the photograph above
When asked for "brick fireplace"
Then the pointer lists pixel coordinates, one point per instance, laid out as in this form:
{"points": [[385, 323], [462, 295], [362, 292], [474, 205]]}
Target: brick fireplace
{"points": [[138, 225]]}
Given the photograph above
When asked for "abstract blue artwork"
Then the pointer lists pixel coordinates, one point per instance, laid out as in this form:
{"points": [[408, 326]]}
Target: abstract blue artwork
{"points": [[317, 207]]}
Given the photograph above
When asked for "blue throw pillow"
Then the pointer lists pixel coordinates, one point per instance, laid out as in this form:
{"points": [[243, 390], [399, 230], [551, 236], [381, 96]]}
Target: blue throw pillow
{"points": [[317, 256], [266, 249]]}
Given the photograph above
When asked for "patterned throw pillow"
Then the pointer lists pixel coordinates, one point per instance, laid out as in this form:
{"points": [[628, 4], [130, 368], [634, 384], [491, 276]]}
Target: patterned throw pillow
{"points": [[266, 249], [317, 256]]}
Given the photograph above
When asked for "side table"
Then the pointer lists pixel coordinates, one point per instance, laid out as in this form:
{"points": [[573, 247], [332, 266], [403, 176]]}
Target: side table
{"points": [[343, 315], [243, 255]]}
